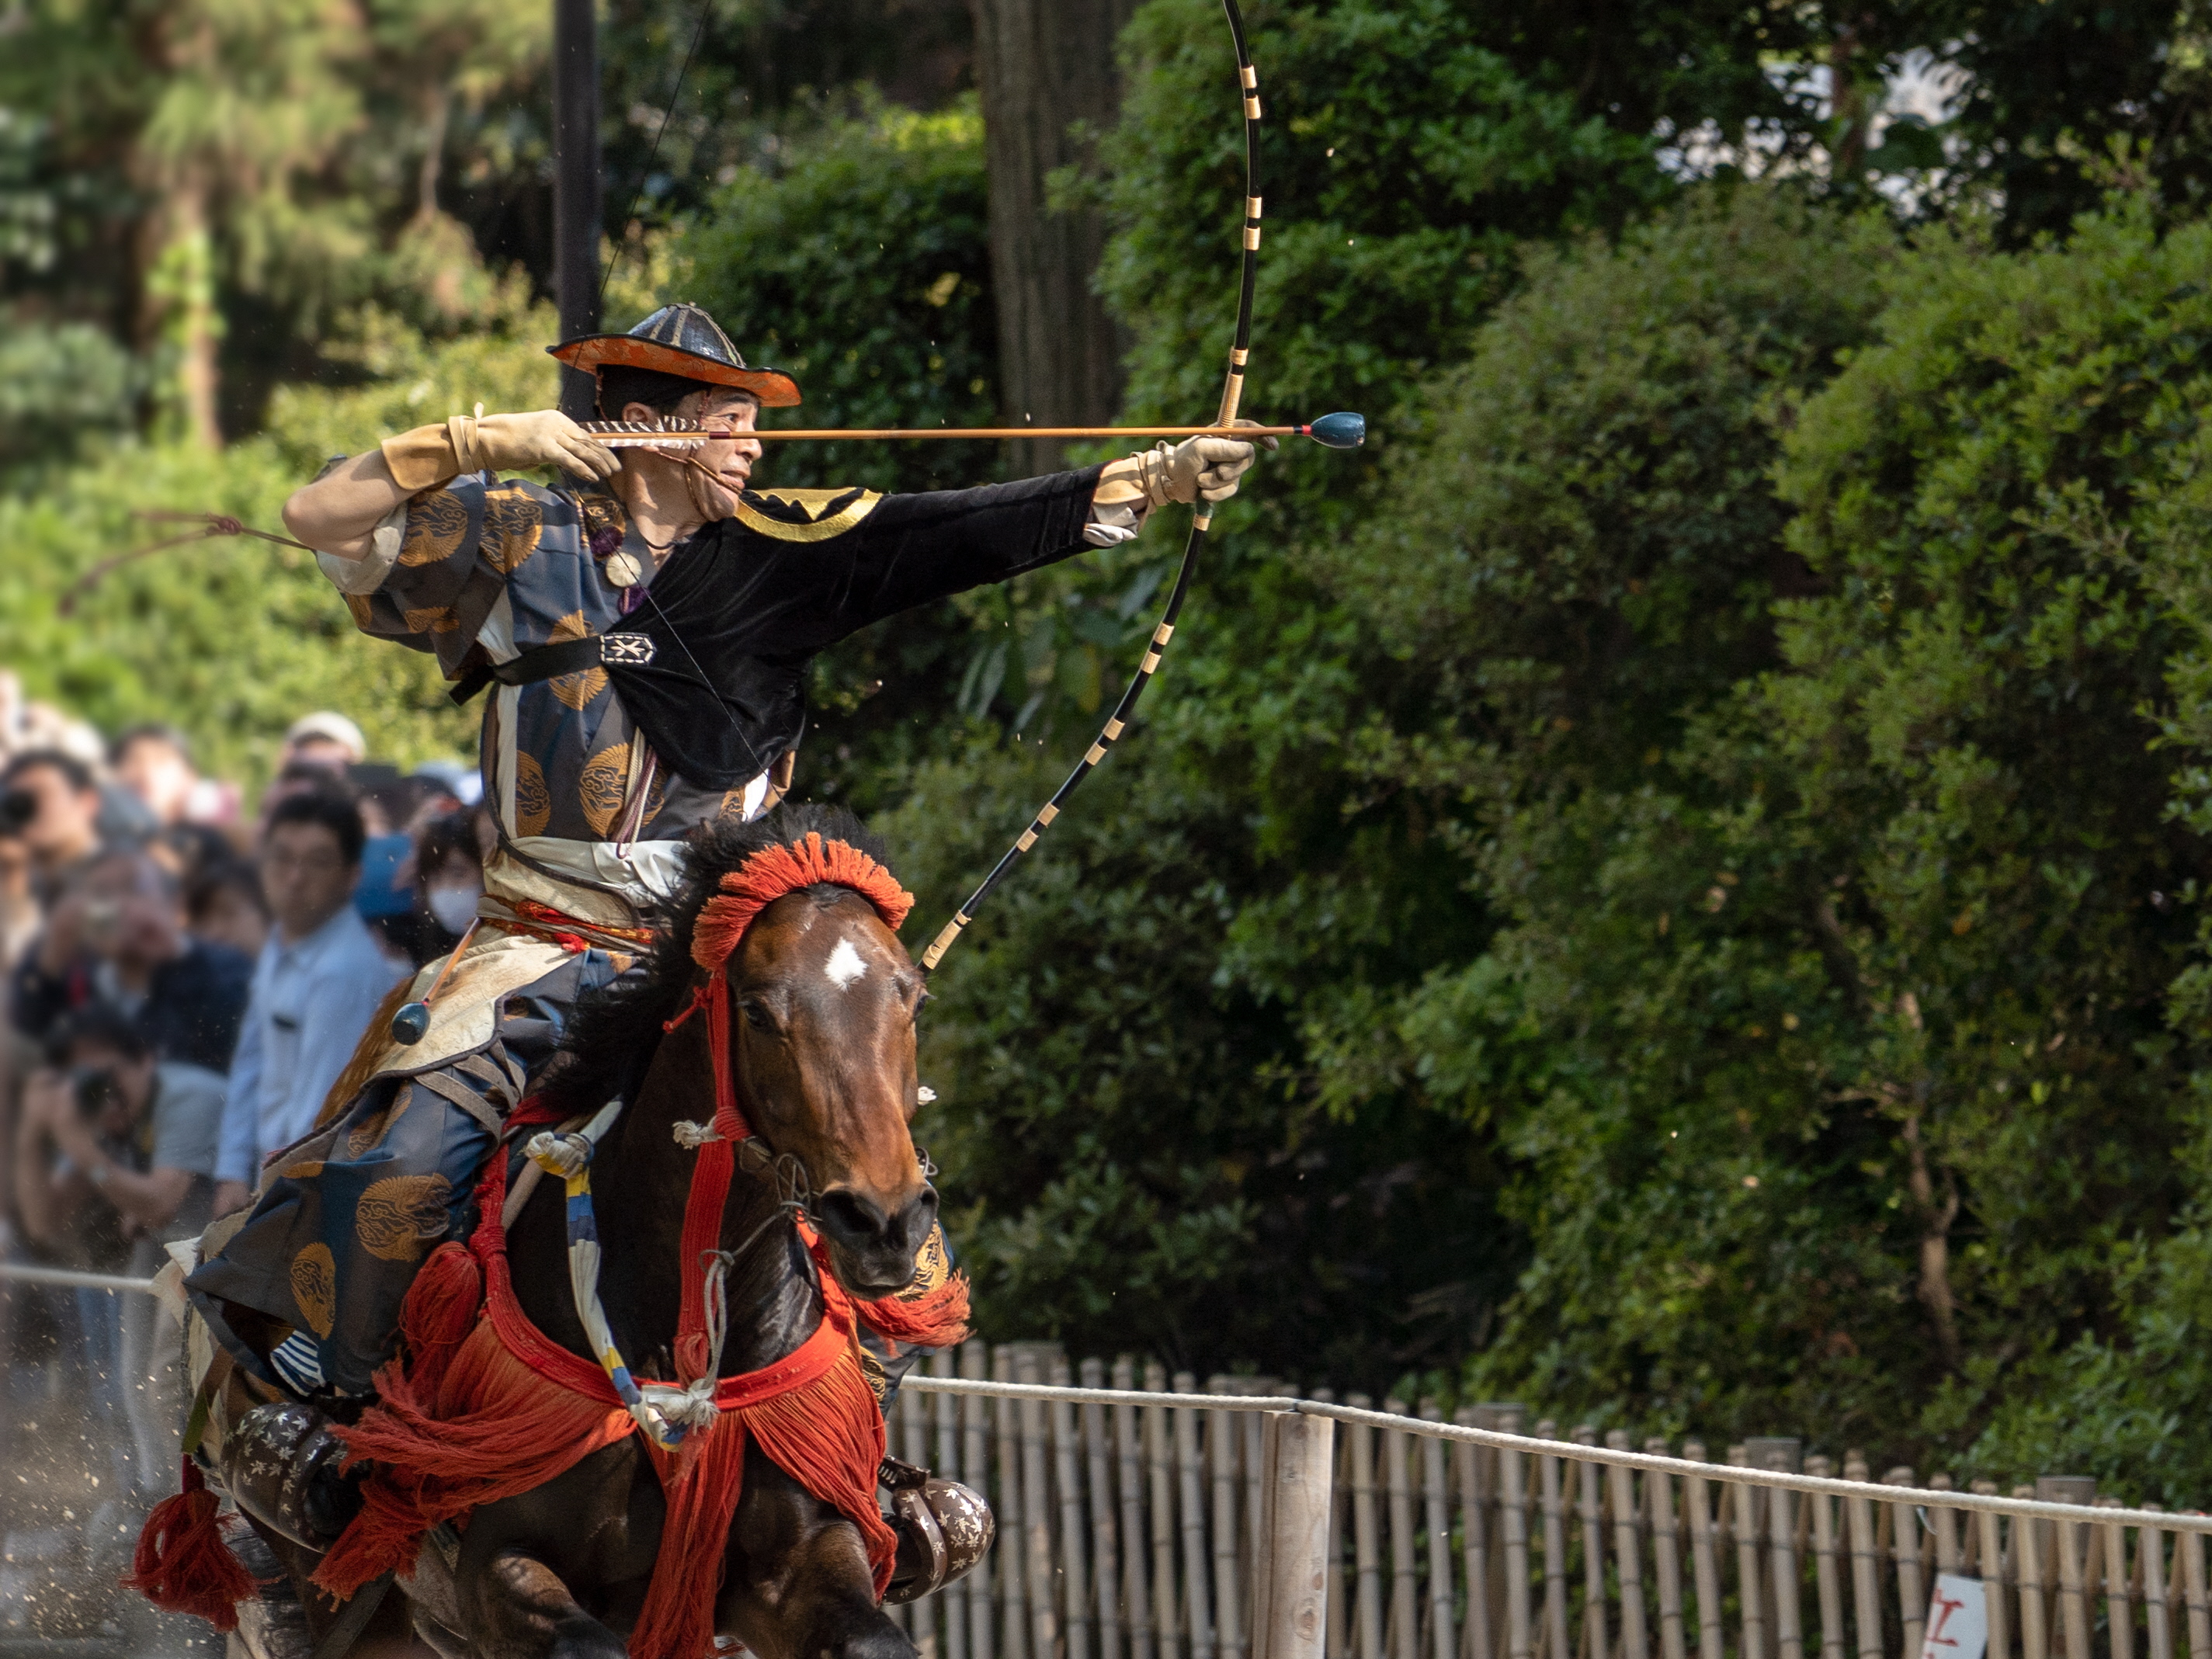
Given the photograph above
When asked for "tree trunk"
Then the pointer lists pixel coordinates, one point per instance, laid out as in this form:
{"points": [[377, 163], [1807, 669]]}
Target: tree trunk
{"points": [[1936, 1220], [1046, 65], [176, 305]]}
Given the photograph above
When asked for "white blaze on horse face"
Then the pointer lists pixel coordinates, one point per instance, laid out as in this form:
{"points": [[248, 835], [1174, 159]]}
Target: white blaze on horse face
{"points": [[844, 965]]}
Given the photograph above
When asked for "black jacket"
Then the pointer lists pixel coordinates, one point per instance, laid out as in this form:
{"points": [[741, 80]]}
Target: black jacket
{"points": [[739, 610]]}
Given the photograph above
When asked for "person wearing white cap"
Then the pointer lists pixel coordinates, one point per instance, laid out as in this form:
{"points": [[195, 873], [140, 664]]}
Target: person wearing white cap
{"points": [[324, 739]]}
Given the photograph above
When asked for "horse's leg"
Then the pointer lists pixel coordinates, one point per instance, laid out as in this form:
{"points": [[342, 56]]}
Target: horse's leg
{"points": [[521, 1556], [521, 1609], [390, 1632], [797, 1584]]}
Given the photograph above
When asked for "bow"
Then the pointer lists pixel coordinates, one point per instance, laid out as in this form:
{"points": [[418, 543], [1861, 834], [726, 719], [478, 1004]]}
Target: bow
{"points": [[1232, 394]]}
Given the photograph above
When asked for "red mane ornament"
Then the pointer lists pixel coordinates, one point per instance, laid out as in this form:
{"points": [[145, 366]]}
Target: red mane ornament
{"points": [[773, 872]]}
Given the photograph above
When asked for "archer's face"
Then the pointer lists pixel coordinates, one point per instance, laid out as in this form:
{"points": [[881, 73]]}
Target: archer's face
{"points": [[729, 459], [732, 462]]}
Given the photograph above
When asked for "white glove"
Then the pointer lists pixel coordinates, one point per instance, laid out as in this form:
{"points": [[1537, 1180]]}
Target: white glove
{"points": [[430, 455], [1197, 468], [545, 437]]}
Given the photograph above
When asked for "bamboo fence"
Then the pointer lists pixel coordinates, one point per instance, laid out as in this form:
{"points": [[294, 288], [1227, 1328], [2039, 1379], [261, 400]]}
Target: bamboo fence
{"points": [[1126, 1531]]}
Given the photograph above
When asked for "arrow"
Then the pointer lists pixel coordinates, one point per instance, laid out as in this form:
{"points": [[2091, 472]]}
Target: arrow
{"points": [[1343, 430]]}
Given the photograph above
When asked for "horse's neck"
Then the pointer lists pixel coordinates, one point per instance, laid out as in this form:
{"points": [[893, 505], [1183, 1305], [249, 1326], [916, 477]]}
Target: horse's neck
{"points": [[641, 1184]]}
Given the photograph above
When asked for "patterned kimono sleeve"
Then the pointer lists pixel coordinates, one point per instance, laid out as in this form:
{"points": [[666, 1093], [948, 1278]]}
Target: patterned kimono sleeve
{"points": [[440, 564]]}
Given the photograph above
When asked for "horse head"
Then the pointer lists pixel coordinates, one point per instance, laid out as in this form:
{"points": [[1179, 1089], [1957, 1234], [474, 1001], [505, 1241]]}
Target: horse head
{"points": [[824, 999], [820, 1005]]}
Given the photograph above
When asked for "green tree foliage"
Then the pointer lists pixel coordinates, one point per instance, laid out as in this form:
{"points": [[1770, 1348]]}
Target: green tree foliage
{"points": [[1837, 1058], [1573, 553], [234, 638]]}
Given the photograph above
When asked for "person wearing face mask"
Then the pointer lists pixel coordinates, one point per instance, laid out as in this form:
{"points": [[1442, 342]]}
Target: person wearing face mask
{"points": [[448, 883]]}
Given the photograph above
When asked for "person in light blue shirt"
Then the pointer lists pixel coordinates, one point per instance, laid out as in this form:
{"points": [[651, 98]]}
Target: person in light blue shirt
{"points": [[315, 989]]}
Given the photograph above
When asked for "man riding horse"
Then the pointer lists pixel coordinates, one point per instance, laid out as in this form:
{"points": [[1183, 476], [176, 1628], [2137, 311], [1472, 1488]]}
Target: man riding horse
{"points": [[645, 628]]}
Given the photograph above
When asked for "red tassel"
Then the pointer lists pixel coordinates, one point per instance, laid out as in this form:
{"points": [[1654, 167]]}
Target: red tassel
{"points": [[182, 1564], [936, 1319], [439, 1312]]}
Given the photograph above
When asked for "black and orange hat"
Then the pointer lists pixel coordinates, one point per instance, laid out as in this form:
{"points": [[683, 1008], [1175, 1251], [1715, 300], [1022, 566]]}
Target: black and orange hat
{"points": [[684, 341]]}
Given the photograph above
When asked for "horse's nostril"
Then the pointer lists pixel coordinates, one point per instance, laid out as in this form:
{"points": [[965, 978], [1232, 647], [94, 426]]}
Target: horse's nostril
{"points": [[916, 1219], [849, 1218]]}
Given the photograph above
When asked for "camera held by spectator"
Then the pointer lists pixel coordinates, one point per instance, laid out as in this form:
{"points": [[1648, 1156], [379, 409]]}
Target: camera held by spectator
{"points": [[50, 802], [112, 1145], [116, 935]]}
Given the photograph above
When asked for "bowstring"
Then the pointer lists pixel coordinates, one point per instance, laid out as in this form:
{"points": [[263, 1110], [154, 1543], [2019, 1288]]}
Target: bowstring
{"points": [[698, 34]]}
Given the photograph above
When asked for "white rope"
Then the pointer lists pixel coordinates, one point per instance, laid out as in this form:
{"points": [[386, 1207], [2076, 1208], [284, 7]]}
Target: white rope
{"points": [[1573, 1450], [692, 1136], [63, 1276]]}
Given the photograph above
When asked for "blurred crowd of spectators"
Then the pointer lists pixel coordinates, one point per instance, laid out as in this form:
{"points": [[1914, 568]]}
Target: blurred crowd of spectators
{"points": [[182, 983]]}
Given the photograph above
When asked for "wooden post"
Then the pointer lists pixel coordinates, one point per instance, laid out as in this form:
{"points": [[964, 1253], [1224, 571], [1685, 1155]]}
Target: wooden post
{"points": [[922, 1615], [2190, 1546], [1013, 1534], [1590, 1511], [1074, 1560], [1905, 1550], [1405, 1636], [945, 1363], [1628, 1553], [1437, 1504], [1705, 1563], [1291, 1563], [1222, 1435], [1513, 1524], [1158, 1438], [1747, 1575], [1866, 1565], [1036, 1511], [1827, 1564], [1665, 1519], [975, 1460], [1552, 1476], [1136, 1590], [2073, 1603], [1198, 1603], [1468, 1464], [1789, 1601], [2158, 1610], [2034, 1633], [1366, 1537], [1944, 1520], [1106, 1557], [1253, 1427], [1336, 1643], [2119, 1611], [1993, 1578]]}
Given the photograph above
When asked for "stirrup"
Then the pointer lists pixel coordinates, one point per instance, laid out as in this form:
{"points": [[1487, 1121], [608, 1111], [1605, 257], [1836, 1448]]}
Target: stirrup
{"points": [[280, 1465], [944, 1529]]}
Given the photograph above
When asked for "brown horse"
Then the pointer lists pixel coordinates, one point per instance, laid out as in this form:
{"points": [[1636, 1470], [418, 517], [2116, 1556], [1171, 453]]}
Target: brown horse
{"points": [[823, 1005]]}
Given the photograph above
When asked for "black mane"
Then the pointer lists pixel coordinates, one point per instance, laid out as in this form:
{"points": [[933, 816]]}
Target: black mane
{"points": [[613, 1034]]}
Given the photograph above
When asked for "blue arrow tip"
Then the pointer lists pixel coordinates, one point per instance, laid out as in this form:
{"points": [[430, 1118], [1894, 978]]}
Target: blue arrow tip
{"points": [[1343, 430]]}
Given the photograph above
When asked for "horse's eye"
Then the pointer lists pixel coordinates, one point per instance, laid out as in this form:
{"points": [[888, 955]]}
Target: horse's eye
{"points": [[921, 1003], [757, 1014]]}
